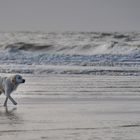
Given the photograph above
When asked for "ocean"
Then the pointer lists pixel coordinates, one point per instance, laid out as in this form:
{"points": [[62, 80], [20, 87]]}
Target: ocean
{"points": [[95, 53]]}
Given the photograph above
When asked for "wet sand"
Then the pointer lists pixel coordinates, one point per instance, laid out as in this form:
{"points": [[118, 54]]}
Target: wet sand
{"points": [[73, 107]]}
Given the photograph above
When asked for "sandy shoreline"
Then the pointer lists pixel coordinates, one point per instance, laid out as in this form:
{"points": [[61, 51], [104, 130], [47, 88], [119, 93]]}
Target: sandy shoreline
{"points": [[73, 108]]}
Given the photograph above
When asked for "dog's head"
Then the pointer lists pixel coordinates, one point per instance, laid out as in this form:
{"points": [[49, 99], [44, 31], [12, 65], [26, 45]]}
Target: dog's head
{"points": [[17, 79]]}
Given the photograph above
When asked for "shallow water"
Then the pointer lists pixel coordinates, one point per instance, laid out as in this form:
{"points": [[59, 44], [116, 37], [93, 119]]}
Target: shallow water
{"points": [[73, 107]]}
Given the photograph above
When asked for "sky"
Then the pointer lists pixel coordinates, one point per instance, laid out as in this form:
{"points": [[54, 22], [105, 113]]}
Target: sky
{"points": [[70, 15]]}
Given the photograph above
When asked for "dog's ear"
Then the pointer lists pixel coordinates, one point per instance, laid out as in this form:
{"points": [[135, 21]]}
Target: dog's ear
{"points": [[14, 80]]}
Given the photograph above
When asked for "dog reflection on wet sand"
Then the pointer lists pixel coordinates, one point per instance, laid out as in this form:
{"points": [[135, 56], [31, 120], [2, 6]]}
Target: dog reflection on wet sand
{"points": [[9, 115]]}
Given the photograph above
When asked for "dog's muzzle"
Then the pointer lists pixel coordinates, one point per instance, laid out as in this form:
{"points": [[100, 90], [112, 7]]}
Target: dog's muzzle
{"points": [[23, 81]]}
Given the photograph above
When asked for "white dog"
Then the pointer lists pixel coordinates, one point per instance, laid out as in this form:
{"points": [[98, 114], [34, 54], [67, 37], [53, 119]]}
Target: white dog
{"points": [[8, 85]]}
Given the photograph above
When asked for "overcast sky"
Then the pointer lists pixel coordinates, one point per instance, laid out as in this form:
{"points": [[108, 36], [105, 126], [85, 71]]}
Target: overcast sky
{"points": [[70, 15]]}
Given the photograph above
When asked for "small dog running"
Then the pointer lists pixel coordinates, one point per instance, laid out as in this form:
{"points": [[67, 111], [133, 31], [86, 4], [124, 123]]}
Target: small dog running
{"points": [[8, 85]]}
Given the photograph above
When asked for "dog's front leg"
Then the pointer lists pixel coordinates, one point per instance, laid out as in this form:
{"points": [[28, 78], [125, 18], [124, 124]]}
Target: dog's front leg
{"points": [[5, 103], [12, 100], [8, 91]]}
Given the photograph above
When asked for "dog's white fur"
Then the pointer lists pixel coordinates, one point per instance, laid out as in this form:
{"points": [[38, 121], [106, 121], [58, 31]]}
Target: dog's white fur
{"points": [[8, 85]]}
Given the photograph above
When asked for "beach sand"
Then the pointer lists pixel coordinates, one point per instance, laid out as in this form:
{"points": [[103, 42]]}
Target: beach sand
{"points": [[73, 107]]}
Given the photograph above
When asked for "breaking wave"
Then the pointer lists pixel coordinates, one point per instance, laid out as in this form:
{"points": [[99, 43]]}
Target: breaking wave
{"points": [[82, 49], [74, 43]]}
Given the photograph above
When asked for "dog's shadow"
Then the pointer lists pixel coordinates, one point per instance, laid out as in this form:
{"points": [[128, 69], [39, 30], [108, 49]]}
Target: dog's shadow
{"points": [[9, 114]]}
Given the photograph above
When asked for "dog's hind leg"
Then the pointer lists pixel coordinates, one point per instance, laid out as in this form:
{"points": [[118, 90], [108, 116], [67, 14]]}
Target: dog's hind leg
{"points": [[0, 92]]}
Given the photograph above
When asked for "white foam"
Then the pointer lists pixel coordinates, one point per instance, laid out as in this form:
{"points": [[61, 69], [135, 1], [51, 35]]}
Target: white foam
{"points": [[23, 49]]}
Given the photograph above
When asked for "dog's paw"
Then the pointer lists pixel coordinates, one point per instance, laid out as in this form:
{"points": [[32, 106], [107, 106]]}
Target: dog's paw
{"points": [[15, 103]]}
